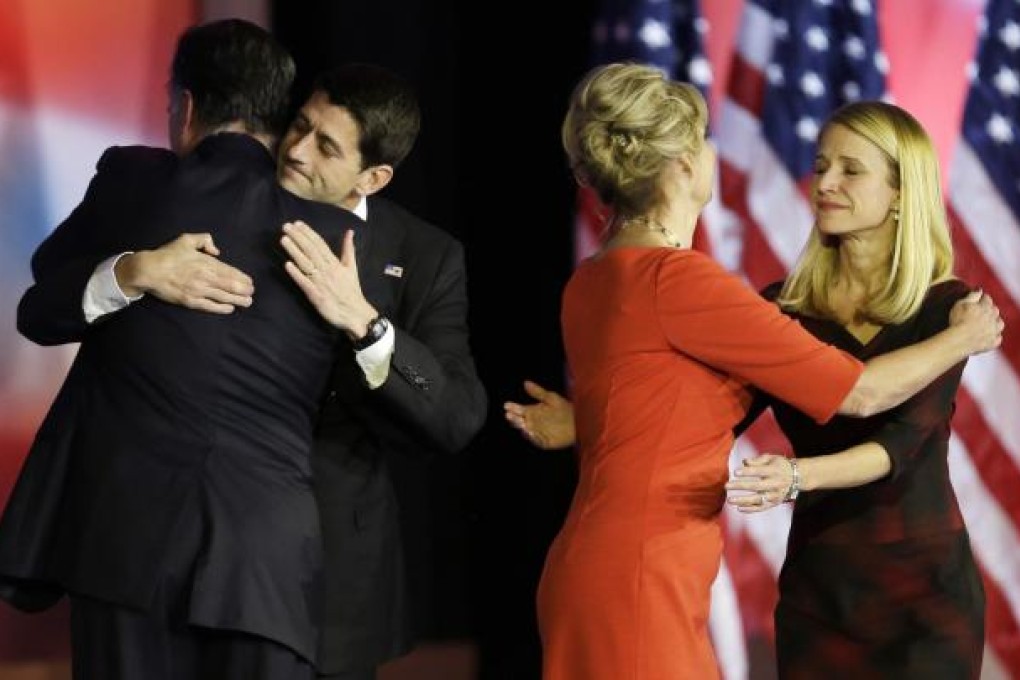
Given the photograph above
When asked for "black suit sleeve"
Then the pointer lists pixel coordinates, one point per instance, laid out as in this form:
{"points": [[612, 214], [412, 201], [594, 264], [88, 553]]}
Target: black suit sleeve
{"points": [[50, 312], [432, 384]]}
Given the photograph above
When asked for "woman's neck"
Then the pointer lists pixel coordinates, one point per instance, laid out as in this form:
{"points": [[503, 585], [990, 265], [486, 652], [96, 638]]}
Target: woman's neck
{"points": [[864, 261], [653, 230]]}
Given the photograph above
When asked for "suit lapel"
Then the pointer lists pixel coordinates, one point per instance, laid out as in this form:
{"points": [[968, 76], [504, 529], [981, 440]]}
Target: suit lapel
{"points": [[380, 263]]}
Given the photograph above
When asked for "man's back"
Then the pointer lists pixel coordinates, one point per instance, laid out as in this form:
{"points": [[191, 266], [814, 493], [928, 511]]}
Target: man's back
{"points": [[186, 436]]}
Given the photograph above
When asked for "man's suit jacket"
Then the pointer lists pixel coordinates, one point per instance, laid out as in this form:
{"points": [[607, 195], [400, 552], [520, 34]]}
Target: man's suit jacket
{"points": [[180, 441], [431, 403]]}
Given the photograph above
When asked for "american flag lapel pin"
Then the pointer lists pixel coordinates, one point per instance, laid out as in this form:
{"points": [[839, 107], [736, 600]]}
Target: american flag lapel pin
{"points": [[393, 270]]}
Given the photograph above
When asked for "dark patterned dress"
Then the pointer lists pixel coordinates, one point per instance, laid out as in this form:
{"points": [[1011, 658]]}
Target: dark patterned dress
{"points": [[879, 580]]}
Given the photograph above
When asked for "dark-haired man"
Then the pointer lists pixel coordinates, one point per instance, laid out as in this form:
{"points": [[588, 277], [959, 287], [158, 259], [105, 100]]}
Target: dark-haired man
{"points": [[169, 489], [411, 393], [404, 384]]}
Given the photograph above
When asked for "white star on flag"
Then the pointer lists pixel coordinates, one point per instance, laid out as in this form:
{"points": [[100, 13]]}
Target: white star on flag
{"points": [[999, 129]]}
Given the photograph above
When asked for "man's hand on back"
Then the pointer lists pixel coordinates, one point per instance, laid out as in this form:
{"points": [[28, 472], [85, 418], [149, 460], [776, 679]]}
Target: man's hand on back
{"points": [[186, 272]]}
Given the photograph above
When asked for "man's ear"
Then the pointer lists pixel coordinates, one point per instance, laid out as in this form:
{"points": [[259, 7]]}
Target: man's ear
{"points": [[187, 104], [188, 130], [373, 179]]}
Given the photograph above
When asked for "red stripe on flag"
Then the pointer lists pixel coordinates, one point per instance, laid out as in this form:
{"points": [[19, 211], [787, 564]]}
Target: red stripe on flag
{"points": [[1001, 631], [972, 267], [746, 85], [755, 585], [993, 462]]}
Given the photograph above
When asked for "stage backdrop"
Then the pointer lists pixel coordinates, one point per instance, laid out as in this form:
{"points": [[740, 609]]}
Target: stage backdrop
{"points": [[773, 70], [75, 78]]}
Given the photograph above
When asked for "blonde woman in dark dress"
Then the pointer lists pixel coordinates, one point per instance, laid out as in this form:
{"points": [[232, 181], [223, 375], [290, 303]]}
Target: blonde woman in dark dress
{"points": [[879, 580]]}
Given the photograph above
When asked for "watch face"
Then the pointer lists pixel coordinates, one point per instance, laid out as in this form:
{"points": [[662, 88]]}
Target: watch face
{"points": [[376, 329]]}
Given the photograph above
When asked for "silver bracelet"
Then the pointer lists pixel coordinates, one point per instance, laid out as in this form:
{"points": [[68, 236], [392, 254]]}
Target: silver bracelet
{"points": [[794, 490]]}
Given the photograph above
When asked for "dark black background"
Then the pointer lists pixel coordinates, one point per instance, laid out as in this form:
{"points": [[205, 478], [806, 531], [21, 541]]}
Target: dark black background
{"points": [[493, 80]]}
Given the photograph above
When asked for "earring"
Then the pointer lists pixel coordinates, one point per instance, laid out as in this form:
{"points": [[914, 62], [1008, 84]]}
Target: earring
{"points": [[896, 214]]}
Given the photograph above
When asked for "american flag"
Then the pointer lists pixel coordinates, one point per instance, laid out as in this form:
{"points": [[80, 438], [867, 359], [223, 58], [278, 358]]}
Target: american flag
{"points": [[984, 206], [794, 62]]}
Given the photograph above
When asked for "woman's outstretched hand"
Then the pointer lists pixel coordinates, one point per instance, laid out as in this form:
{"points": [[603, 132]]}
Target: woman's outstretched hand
{"points": [[548, 423]]}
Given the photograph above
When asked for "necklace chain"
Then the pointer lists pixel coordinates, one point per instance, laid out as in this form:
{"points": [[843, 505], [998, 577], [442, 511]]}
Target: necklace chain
{"points": [[650, 224]]}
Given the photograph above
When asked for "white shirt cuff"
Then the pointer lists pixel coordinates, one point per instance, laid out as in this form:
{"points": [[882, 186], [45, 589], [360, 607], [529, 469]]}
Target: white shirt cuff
{"points": [[102, 293], [375, 359]]}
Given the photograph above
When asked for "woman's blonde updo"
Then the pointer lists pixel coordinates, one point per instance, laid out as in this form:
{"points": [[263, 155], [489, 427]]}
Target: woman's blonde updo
{"points": [[625, 121]]}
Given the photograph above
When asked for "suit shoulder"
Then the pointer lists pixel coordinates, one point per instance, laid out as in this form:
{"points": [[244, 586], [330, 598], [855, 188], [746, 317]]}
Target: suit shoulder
{"points": [[322, 217], [131, 160], [416, 230]]}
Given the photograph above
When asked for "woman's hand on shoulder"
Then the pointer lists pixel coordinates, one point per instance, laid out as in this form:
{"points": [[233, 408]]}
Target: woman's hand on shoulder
{"points": [[978, 319]]}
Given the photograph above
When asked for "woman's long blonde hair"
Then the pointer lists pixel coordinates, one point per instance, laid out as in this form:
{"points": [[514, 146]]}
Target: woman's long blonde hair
{"points": [[922, 249]]}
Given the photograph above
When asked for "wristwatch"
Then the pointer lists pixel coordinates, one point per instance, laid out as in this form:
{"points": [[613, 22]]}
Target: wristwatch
{"points": [[373, 333]]}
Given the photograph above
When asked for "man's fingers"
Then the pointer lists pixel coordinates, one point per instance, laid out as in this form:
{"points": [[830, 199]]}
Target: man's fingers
{"points": [[297, 255], [304, 283], [226, 278], [203, 242], [207, 305], [207, 246], [309, 242], [347, 250], [218, 295]]}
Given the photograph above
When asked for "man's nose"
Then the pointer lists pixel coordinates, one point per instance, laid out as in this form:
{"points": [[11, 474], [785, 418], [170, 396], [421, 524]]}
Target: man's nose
{"points": [[298, 150]]}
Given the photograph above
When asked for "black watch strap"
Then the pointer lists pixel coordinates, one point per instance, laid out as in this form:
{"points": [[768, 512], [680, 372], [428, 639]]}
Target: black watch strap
{"points": [[373, 333]]}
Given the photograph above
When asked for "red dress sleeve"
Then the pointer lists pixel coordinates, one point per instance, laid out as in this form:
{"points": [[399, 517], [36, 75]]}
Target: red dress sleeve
{"points": [[714, 317]]}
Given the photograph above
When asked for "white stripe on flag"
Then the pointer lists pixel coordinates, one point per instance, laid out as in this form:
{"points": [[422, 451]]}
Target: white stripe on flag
{"points": [[739, 135], [992, 383], [755, 40], [992, 533], [990, 222], [726, 627], [778, 206]]}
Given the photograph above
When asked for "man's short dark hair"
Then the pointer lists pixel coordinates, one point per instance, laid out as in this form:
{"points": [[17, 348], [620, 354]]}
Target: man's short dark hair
{"points": [[235, 71], [383, 105]]}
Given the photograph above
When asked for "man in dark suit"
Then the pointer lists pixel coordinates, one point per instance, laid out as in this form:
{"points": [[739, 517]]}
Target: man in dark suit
{"points": [[169, 490], [407, 390], [418, 393]]}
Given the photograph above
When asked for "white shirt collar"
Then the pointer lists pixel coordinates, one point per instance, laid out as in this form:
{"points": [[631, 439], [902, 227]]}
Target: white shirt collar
{"points": [[361, 209]]}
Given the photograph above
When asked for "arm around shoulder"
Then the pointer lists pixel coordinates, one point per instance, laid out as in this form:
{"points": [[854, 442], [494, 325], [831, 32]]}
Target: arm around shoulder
{"points": [[891, 379]]}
